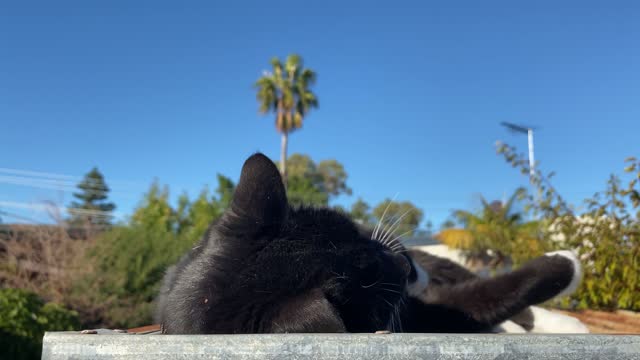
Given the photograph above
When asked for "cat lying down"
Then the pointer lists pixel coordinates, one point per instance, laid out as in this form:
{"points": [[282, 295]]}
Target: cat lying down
{"points": [[266, 267]]}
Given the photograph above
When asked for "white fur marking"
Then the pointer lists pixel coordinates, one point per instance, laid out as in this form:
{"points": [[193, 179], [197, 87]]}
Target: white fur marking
{"points": [[545, 321], [509, 327], [577, 271], [417, 288]]}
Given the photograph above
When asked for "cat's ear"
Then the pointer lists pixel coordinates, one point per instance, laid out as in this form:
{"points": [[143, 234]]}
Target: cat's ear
{"points": [[260, 196], [308, 313]]}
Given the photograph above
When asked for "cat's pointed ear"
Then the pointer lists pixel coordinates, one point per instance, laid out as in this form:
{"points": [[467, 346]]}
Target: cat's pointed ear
{"points": [[260, 195]]}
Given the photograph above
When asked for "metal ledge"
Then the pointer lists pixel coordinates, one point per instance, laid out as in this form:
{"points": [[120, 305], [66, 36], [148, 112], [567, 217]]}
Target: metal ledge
{"points": [[68, 345]]}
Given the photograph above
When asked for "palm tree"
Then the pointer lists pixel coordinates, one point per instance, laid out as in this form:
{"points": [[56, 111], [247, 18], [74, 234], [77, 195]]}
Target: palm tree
{"points": [[496, 227], [285, 91]]}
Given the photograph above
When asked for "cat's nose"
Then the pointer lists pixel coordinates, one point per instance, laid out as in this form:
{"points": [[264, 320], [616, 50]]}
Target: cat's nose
{"points": [[402, 262]]}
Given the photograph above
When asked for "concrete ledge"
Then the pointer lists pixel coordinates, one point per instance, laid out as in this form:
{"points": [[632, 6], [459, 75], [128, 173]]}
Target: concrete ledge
{"points": [[66, 345]]}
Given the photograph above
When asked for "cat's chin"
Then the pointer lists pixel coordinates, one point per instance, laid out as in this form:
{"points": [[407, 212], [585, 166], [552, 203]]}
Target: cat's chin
{"points": [[577, 271]]}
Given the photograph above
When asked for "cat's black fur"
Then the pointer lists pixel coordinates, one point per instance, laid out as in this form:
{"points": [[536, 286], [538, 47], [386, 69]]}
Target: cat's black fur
{"points": [[268, 267]]}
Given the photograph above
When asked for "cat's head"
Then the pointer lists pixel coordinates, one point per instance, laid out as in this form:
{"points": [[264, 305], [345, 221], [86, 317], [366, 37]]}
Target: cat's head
{"points": [[308, 269]]}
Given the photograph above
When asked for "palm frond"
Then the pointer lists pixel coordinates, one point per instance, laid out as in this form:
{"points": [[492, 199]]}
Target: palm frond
{"points": [[308, 77], [277, 66], [285, 91], [293, 62], [267, 94]]}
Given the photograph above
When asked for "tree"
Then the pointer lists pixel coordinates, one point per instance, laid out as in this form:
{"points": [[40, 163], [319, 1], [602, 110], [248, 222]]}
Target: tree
{"points": [[92, 205], [448, 224], [361, 212], [304, 191], [313, 184], [206, 208], [202, 211], [333, 177], [225, 190], [401, 218], [189, 219], [155, 212], [495, 229], [130, 261], [285, 92]]}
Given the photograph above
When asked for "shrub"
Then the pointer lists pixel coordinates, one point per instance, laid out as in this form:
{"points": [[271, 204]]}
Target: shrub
{"points": [[124, 272], [606, 234], [24, 318]]}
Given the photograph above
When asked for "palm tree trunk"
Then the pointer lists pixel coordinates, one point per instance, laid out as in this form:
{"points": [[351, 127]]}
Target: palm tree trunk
{"points": [[283, 157]]}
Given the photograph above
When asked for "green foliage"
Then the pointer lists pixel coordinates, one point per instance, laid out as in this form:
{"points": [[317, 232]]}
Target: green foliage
{"points": [[361, 212], [448, 224], [312, 184], [225, 190], [398, 218], [402, 217], [24, 318], [498, 230], [127, 266], [303, 191], [606, 234], [92, 205], [155, 212], [128, 262], [286, 91], [333, 178]]}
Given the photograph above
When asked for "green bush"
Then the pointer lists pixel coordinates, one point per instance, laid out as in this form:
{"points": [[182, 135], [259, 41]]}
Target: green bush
{"points": [[606, 234], [128, 264], [24, 318], [124, 269]]}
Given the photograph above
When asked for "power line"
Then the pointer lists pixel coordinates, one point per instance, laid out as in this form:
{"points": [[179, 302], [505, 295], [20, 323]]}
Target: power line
{"points": [[57, 185], [50, 207], [16, 216], [69, 179]]}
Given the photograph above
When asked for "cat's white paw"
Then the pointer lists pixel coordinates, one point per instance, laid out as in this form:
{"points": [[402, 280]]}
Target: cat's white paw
{"points": [[545, 321], [577, 271], [509, 327]]}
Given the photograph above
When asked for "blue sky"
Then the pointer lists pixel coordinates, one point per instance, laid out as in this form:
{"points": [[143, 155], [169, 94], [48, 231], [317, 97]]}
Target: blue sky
{"points": [[411, 94]]}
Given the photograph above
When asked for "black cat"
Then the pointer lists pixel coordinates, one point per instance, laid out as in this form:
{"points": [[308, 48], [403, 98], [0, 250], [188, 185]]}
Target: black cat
{"points": [[268, 267]]}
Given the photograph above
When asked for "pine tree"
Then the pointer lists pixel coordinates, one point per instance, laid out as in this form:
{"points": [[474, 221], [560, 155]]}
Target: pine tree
{"points": [[92, 207]]}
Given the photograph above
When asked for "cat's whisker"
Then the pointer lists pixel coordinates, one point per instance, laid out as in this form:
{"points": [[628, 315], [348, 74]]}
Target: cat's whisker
{"points": [[368, 286], [397, 247], [386, 233], [385, 300], [403, 234], [396, 225], [378, 225], [374, 235], [398, 319], [390, 290], [382, 234]]}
